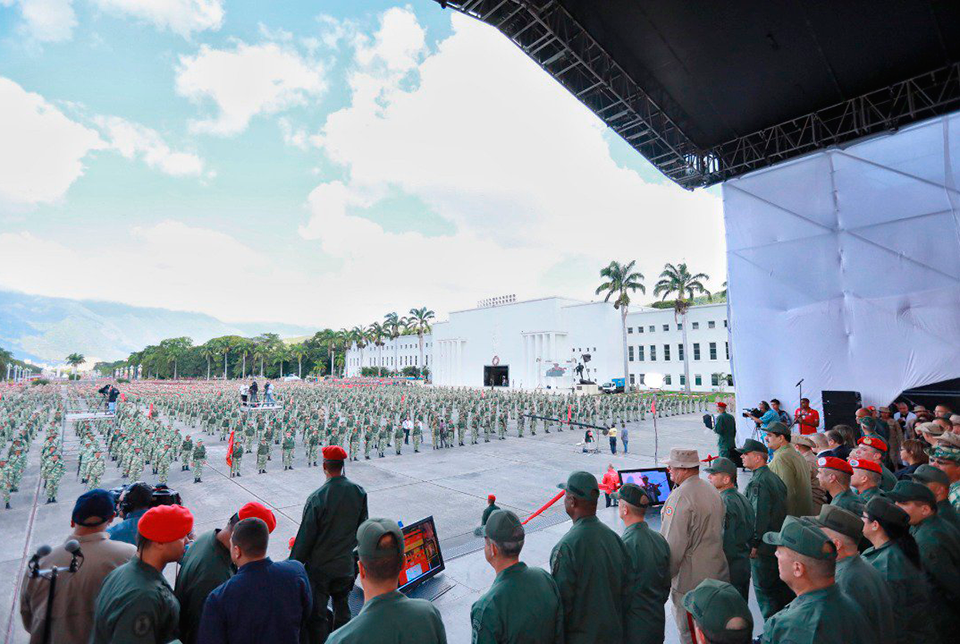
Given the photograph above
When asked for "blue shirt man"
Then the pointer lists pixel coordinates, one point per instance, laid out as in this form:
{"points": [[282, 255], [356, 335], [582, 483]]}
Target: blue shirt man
{"points": [[768, 417], [266, 601], [126, 530]]}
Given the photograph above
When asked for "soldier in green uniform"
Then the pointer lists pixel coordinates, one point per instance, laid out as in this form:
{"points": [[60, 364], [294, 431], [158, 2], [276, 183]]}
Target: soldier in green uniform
{"points": [[387, 614], [725, 427], [381, 440], [95, 471], [494, 617], [286, 451], [325, 543], [163, 459], [591, 567], [398, 437], [236, 457], [834, 477], [186, 451], [52, 478], [792, 468], [821, 613], [6, 480], [354, 443], [719, 612], [649, 556], [417, 436], [205, 566], [939, 545], [767, 495], [136, 604], [263, 451], [939, 483], [313, 448], [368, 439], [865, 479], [895, 556], [739, 523], [199, 459]]}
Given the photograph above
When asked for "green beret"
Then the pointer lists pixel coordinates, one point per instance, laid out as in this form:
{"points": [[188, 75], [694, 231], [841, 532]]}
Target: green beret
{"points": [[722, 465], [803, 537], [839, 520], [751, 445], [502, 526], [905, 491], [777, 428], [582, 485], [368, 538], [883, 508], [930, 474], [714, 603], [633, 494]]}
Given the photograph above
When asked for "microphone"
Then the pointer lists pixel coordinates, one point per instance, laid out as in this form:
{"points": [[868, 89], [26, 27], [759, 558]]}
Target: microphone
{"points": [[799, 383], [73, 547], [34, 563]]}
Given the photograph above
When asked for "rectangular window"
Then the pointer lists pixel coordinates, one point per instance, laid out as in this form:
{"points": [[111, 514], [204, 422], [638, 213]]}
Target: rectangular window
{"points": [[697, 379], [666, 352], [724, 324], [640, 353], [666, 327], [666, 380], [696, 325], [730, 380], [726, 347], [714, 379], [630, 357], [652, 328], [643, 377], [711, 324], [713, 350], [683, 379], [629, 329], [653, 352], [632, 381], [696, 350], [679, 326], [639, 329], [680, 351]]}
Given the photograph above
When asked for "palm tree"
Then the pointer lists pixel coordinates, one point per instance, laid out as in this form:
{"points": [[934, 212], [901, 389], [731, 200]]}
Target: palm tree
{"points": [[208, 350], [298, 351], [358, 335], [419, 322], [394, 326], [280, 354], [337, 338], [173, 349], [75, 360], [376, 333], [621, 279], [678, 280]]}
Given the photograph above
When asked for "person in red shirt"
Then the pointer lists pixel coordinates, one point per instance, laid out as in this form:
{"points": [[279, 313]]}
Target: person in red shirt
{"points": [[609, 484], [807, 418]]}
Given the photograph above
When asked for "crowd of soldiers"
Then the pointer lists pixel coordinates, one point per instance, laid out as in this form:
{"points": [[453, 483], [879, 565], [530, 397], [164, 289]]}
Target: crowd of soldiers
{"points": [[25, 414]]}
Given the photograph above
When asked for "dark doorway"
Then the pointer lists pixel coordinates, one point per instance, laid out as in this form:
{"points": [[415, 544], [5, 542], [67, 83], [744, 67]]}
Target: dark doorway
{"points": [[496, 376]]}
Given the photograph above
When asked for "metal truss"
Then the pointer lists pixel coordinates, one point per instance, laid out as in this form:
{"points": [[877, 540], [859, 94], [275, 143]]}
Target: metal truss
{"points": [[549, 35]]}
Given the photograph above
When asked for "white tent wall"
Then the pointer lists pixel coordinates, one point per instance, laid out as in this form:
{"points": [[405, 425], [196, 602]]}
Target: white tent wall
{"points": [[844, 270]]}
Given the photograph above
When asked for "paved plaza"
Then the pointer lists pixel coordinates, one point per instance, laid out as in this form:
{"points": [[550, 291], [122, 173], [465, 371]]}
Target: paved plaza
{"points": [[450, 484]]}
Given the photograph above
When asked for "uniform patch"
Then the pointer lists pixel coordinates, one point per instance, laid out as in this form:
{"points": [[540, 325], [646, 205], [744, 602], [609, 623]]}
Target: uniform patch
{"points": [[668, 511], [142, 625]]}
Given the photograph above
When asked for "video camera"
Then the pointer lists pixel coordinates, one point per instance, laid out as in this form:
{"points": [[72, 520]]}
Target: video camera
{"points": [[140, 494], [752, 412]]}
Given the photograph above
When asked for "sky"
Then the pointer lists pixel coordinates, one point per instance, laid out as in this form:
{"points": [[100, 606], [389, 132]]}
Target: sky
{"points": [[317, 163]]}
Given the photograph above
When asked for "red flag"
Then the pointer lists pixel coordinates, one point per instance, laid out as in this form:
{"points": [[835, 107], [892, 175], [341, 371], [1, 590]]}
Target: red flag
{"points": [[403, 397], [569, 413], [653, 406], [123, 397], [230, 450], [150, 413]]}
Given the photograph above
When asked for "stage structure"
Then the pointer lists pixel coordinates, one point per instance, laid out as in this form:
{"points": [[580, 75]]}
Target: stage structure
{"points": [[709, 92]]}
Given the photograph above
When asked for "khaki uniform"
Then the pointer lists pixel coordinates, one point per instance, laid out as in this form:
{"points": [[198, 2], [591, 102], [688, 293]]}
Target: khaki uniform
{"points": [[692, 523], [794, 471], [495, 618], [75, 593]]}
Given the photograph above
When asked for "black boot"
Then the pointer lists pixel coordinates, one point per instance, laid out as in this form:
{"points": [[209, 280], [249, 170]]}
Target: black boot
{"points": [[8, 506]]}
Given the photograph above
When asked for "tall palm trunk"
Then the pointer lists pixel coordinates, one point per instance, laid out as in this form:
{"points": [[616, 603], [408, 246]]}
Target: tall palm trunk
{"points": [[224, 366], [300, 368], [420, 341], [686, 354], [243, 369], [380, 361], [623, 329], [261, 366], [396, 354], [208, 367]]}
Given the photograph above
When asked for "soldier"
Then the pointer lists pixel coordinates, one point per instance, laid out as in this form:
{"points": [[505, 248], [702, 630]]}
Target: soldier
{"points": [[186, 450], [136, 464], [521, 419], [136, 604], [417, 436], [834, 476], [287, 451], [53, 475], [325, 543], [874, 449], [856, 578], [692, 523], [591, 567], [199, 458], [381, 439], [739, 523], [368, 440], [767, 494], [650, 566], [719, 612], [946, 457], [792, 469], [163, 462], [95, 471], [263, 450], [6, 481], [313, 448], [354, 443], [725, 427], [236, 457], [938, 482], [494, 617], [822, 613], [865, 479], [398, 437]]}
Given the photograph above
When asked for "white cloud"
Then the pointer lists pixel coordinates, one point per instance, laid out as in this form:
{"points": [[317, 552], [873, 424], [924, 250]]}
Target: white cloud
{"points": [[45, 20], [183, 17], [43, 151], [246, 81], [133, 140]]}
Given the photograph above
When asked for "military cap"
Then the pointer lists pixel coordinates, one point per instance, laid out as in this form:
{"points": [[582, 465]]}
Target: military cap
{"points": [[905, 491], [165, 523], [722, 465], [883, 508], [503, 525], [751, 445], [803, 537], [865, 464], [582, 485], [334, 453], [874, 442], [633, 494], [722, 405], [834, 463], [945, 453], [806, 441], [714, 603], [840, 520], [777, 428], [95, 503], [683, 458], [259, 511], [949, 439], [930, 474], [934, 429], [368, 538]]}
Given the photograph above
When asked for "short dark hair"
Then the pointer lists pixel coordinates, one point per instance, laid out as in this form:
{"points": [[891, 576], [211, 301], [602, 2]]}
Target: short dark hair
{"points": [[508, 548], [252, 536], [386, 567], [742, 636], [138, 495], [806, 400], [836, 436], [774, 400], [332, 465]]}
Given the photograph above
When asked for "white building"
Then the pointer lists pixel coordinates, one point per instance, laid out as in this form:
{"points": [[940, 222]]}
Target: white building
{"points": [[539, 343]]}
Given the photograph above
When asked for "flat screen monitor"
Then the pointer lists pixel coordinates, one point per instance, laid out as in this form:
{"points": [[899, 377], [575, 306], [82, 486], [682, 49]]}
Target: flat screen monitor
{"points": [[652, 479], [421, 549]]}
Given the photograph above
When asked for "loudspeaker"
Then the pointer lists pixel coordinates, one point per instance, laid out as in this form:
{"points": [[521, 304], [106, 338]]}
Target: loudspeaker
{"points": [[840, 408]]}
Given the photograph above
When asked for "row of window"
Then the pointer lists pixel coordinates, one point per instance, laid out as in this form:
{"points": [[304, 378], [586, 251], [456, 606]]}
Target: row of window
{"points": [[405, 361], [640, 355], [697, 379], [711, 324]]}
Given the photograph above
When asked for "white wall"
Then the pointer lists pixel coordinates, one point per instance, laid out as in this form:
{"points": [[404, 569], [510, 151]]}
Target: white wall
{"points": [[405, 354]]}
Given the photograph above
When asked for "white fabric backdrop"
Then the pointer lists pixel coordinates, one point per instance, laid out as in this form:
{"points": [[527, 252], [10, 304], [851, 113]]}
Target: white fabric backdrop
{"points": [[844, 269]]}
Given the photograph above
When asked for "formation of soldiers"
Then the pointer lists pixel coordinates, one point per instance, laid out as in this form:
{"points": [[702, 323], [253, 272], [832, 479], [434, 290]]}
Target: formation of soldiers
{"points": [[24, 415]]}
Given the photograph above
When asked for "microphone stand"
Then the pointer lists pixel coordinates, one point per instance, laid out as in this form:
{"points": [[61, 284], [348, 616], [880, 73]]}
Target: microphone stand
{"points": [[52, 574]]}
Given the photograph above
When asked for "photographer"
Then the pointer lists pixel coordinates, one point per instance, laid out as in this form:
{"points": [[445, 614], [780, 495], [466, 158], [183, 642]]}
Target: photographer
{"points": [[763, 416], [133, 504]]}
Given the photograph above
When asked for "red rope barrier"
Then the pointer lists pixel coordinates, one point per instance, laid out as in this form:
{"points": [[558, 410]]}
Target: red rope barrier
{"points": [[548, 504]]}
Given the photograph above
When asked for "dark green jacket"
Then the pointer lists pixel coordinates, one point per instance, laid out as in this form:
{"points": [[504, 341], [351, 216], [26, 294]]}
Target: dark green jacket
{"points": [[393, 618], [487, 511], [850, 501], [940, 554], [767, 494], [725, 427], [205, 566], [868, 589], [739, 523], [650, 562], [328, 530], [909, 594], [522, 606], [135, 606], [824, 616]]}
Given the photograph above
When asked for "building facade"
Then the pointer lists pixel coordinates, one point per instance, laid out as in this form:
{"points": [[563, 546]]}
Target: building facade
{"points": [[539, 344]]}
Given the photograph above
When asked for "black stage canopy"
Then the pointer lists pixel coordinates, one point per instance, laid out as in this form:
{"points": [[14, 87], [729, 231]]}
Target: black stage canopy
{"points": [[712, 89]]}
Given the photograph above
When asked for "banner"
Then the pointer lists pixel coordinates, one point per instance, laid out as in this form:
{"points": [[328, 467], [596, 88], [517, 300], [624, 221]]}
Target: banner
{"points": [[230, 449]]}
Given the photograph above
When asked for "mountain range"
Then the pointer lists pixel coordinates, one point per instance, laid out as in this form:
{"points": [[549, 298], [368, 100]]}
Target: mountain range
{"points": [[47, 329]]}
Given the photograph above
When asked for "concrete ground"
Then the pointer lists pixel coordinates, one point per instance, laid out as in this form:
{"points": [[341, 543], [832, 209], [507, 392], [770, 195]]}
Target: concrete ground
{"points": [[451, 485]]}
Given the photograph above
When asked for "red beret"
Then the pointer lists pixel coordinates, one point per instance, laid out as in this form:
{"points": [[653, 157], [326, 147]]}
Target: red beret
{"points": [[722, 404], [866, 465], [165, 523], [834, 463], [290, 543], [491, 497], [874, 442], [334, 453], [259, 511]]}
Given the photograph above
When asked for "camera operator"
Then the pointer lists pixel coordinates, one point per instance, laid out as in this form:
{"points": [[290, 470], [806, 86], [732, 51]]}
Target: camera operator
{"points": [[763, 416], [133, 504], [72, 614]]}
